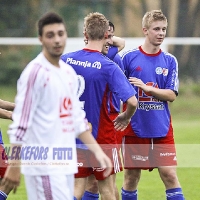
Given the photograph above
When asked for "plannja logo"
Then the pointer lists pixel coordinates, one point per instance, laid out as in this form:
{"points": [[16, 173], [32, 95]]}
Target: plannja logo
{"points": [[96, 65], [84, 64]]}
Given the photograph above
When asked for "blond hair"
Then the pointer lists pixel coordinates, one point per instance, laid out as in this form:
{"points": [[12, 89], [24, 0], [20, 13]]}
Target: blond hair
{"points": [[152, 16], [95, 26]]}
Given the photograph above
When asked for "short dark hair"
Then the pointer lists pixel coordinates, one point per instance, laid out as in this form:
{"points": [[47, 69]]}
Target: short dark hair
{"points": [[48, 18], [112, 25]]}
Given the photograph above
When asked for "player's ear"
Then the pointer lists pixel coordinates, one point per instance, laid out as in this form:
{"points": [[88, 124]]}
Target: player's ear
{"points": [[106, 35], [145, 31], [85, 34]]}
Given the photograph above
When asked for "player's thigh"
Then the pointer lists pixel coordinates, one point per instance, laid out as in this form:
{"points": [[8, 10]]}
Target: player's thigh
{"points": [[50, 187], [107, 185], [92, 184]]}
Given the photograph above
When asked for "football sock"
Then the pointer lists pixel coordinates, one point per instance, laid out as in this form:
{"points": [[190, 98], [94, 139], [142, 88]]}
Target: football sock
{"points": [[129, 195], [174, 194], [3, 195], [90, 196]]}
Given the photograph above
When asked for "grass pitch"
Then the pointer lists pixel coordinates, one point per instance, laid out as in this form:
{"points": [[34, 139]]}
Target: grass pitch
{"points": [[186, 122]]}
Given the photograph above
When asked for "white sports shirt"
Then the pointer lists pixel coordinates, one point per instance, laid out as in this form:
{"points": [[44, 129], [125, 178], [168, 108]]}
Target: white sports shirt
{"points": [[47, 118]]}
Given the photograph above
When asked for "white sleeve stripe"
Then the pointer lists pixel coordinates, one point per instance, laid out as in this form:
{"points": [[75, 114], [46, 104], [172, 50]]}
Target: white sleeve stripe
{"points": [[27, 103]]}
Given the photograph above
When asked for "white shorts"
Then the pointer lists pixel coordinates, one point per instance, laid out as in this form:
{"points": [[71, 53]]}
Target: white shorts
{"points": [[56, 187]]}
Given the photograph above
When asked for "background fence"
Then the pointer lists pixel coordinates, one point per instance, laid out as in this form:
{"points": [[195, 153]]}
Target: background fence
{"points": [[16, 52]]}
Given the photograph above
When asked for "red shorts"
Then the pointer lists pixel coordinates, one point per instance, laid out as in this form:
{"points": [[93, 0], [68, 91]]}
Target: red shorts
{"points": [[87, 163], [119, 134], [147, 153], [3, 161]]}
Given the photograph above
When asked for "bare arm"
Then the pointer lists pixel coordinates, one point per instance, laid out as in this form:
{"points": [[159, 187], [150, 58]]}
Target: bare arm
{"points": [[161, 94], [7, 105], [12, 175], [118, 42], [5, 114], [123, 119]]}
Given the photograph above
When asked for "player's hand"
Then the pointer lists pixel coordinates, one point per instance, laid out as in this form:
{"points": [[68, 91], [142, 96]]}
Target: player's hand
{"points": [[11, 178], [139, 83], [105, 163], [121, 122]]}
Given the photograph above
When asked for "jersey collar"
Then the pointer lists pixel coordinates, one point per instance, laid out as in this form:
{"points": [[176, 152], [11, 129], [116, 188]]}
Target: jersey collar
{"points": [[156, 54]]}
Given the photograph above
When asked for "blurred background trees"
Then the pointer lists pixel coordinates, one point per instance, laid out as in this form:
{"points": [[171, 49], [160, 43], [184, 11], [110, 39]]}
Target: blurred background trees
{"points": [[18, 19]]}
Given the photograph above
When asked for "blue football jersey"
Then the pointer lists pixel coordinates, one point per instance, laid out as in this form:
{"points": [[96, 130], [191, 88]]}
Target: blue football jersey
{"points": [[114, 101], [1, 139], [152, 118], [113, 50], [98, 75]]}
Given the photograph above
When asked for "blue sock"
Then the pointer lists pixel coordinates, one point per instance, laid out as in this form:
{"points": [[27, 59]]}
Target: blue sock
{"points": [[129, 195], [90, 196], [3, 195], [174, 194]]}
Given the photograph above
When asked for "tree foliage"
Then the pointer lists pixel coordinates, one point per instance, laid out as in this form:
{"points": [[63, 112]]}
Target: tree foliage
{"points": [[18, 19]]}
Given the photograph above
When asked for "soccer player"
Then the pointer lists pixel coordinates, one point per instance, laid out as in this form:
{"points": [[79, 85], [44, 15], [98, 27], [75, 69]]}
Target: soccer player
{"points": [[149, 140], [6, 109], [114, 105], [48, 117], [97, 76]]}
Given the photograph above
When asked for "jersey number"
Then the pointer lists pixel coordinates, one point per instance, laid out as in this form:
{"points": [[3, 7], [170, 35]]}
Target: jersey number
{"points": [[145, 96], [81, 88]]}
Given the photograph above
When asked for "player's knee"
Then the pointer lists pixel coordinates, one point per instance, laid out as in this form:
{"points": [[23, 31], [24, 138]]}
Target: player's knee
{"points": [[79, 189], [107, 192], [169, 177], [92, 187], [131, 177]]}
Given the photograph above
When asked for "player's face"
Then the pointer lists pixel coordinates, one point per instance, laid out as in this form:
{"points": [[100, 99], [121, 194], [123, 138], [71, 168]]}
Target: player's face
{"points": [[53, 40], [108, 41], [156, 33]]}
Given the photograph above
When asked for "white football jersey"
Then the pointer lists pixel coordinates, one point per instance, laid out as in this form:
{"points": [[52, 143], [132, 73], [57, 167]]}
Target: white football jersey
{"points": [[47, 118]]}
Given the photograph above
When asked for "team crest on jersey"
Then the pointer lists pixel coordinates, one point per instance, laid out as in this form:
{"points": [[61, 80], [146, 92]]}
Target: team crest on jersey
{"points": [[160, 70], [66, 107]]}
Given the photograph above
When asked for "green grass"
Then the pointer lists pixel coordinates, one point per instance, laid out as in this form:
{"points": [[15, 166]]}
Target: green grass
{"points": [[186, 121]]}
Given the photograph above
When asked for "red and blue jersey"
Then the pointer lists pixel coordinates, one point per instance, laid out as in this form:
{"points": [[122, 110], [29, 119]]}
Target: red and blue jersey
{"points": [[152, 118], [114, 101], [97, 76]]}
